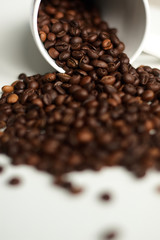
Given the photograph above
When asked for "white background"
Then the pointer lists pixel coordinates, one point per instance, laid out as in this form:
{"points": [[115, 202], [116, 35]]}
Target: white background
{"points": [[37, 210]]}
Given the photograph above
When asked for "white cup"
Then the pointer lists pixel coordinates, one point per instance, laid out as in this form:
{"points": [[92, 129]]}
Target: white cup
{"points": [[130, 17]]}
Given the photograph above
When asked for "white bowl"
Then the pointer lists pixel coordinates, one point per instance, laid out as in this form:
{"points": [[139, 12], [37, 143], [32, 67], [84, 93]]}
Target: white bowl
{"points": [[130, 17]]}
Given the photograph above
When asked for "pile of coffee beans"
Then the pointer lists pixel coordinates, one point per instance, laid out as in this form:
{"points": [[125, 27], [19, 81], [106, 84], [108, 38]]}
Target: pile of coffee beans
{"points": [[77, 39], [100, 112]]}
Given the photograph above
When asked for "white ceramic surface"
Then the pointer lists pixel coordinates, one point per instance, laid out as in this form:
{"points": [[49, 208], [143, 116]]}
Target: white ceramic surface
{"points": [[131, 18], [39, 211]]}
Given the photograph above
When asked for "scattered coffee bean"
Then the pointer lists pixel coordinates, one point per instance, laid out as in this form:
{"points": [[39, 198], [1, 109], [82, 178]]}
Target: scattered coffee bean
{"points": [[110, 235], [105, 197], [1, 169], [14, 181]]}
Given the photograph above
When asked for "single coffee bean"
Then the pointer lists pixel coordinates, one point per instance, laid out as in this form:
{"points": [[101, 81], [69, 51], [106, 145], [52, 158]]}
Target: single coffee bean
{"points": [[106, 44], [108, 80], [148, 95], [1, 169], [53, 53], [77, 54], [57, 27], [105, 197], [51, 36], [92, 53], [99, 64], [12, 98], [49, 77], [7, 89], [14, 181], [85, 136], [129, 88], [61, 46], [43, 36], [128, 78], [80, 94], [64, 55]]}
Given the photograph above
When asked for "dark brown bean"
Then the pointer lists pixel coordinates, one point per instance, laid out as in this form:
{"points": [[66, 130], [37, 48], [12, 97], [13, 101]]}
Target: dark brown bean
{"points": [[53, 53]]}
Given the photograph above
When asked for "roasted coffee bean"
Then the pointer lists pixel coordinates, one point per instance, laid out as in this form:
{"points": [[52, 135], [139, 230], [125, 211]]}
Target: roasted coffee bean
{"points": [[128, 78], [92, 53], [99, 64], [61, 46], [43, 36], [85, 136], [108, 80], [1, 169], [13, 98], [80, 94], [64, 55], [49, 44], [63, 77], [86, 67], [57, 27], [105, 197], [49, 77], [106, 44], [130, 89], [148, 95], [102, 72], [77, 54], [7, 89], [72, 63], [51, 37], [110, 235], [14, 181], [53, 53]]}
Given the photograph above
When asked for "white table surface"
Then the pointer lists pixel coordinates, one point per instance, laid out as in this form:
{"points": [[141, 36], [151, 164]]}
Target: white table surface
{"points": [[37, 210]]}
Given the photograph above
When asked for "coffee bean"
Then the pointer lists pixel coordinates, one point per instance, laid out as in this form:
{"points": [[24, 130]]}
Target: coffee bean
{"points": [[110, 235], [92, 54], [108, 80], [1, 169], [57, 27], [49, 77], [76, 40], [128, 78], [13, 98], [63, 77], [64, 55], [80, 94], [33, 84], [7, 89], [106, 44], [53, 53], [86, 67], [85, 136], [51, 36], [148, 95], [61, 46], [99, 64], [129, 88], [14, 181], [77, 54], [43, 36], [105, 197], [50, 10], [49, 44]]}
